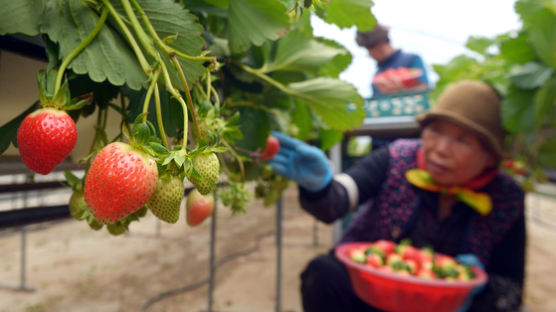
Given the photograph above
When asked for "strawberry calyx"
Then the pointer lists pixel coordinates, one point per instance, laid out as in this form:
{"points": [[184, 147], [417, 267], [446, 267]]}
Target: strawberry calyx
{"points": [[61, 99]]}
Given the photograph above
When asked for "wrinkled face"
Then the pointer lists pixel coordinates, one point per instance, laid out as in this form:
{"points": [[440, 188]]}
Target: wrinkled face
{"points": [[453, 155]]}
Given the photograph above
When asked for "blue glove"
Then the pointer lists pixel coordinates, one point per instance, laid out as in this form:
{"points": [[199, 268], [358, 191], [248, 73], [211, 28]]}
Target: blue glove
{"points": [[470, 259], [298, 161]]}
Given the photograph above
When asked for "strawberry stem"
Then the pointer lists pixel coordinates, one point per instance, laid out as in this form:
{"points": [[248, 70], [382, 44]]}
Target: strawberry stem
{"points": [[159, 116], [141, 34], [153, 78], [188, 95], [169, 50], [129, 36], [78, 49], [177, 95]]}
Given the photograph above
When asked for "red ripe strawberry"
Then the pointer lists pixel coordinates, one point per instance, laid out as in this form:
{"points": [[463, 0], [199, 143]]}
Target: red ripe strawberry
{"points": [[387, 247], [272, 147], [374, 260], [120, 181], [198, 207], [45, 138], [408, 252]]}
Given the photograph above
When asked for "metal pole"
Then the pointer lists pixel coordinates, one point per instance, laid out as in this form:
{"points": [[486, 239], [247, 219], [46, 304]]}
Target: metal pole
{"points": [[23, 263], [23, 259], [211, 260], [336, 159], [278, 254]]}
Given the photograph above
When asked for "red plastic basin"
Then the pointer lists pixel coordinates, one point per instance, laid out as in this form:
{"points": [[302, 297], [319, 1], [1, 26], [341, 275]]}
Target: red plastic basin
{"points": [[396, 293]]}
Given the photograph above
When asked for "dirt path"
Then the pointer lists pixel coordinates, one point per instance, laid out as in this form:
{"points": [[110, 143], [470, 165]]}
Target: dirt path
{"points": [[75, 269]]}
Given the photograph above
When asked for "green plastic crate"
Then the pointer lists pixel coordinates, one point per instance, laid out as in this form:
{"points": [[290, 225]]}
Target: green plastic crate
{"points": [[398, 104]]}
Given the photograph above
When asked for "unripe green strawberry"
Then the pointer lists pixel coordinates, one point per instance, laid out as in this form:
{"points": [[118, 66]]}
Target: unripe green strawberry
{"points": [[94, 224], [208, 167], [45, 138], [116, 229], [166, 200], [77, 205], [198, 207], [120, 181]]}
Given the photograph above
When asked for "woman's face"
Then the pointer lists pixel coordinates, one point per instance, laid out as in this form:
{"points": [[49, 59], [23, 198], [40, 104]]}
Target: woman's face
{"points": [[453, 155]]}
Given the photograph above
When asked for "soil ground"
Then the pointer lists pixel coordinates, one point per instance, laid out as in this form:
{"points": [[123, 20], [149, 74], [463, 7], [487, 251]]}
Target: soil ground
{"points": [[73, 268]]}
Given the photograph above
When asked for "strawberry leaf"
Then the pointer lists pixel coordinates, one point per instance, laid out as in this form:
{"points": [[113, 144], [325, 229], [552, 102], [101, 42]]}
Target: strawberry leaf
{"points": [[347, 13], [9, 130], [21, 16], [254, 22], [108, 57], [159, 148], [335, 101], [298, 52]]}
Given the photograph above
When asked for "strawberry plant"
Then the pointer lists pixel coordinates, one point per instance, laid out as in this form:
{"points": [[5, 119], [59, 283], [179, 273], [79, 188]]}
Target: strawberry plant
{"points": [[197, 86], [521, 65]]}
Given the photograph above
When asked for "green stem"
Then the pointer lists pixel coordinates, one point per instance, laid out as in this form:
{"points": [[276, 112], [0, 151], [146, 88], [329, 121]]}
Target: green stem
{"points": [[216, 98], [141, 34], [236, 155], [169, 50], [124, 115], [105, 119], [207, 72], [273, 82], [251, 105], [154, 79], [78, 49], [159, 116], [98, 125], [188, 95], [180, 99], [142, 60]]}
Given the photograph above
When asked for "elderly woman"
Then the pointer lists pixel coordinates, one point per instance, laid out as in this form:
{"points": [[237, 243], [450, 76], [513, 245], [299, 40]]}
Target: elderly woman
{"points": [[412, 187]]}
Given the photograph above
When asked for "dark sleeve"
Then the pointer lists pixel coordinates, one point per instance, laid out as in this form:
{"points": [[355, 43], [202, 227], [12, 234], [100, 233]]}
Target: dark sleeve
{"points": [[370, 173], [332, 202], [506, 273]]}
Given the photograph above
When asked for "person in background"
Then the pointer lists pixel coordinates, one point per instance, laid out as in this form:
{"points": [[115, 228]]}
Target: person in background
{"points": [[377, 42], [459, 151]]}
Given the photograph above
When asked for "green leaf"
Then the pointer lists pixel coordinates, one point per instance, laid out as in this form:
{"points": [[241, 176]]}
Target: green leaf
{"points": [[460, 67], [21, 16], [338, 64], [169, 19], [518, 110], [547, 153], [335, 101], [301, 118], [108, 57], [254, 22], [517, 50], [329, 138], [298, 52], [545, 103], [539, 19], [255, 125], [479, 44], [218, 3], [9, 130], [158, 148], [530, 76], [348, 13]]}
